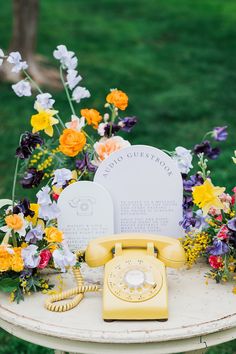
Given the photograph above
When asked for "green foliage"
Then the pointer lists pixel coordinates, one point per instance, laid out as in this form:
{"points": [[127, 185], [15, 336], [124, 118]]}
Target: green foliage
{"points": [[175, 59]]}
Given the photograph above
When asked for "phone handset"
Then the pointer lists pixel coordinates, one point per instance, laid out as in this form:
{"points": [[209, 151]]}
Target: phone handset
{"points": [[169, 250]]}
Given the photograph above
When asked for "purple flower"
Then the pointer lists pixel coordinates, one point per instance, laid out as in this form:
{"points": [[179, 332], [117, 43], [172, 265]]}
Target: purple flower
{"points": [[23, 207], [214, 153], [194, 180], [111, 129], [232, 224], [34, 234], [127, 123], [187, 202], [218, 248], [85, 164], [206, 149], [220, 133], [32, 178], [28, 144]]}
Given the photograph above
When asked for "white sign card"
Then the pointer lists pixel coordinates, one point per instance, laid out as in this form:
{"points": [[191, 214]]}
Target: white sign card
{"points": [[146, 188], [86, 212]]}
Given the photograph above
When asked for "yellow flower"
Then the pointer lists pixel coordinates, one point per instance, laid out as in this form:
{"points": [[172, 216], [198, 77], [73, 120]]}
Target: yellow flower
{"points": [[17, 263], [35, 208], [118, 98], [44, 120], [206, 196], [53, 234]]}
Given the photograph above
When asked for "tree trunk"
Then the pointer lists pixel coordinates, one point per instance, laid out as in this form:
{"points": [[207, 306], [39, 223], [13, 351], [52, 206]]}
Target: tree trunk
{"points": [[24, 39]]}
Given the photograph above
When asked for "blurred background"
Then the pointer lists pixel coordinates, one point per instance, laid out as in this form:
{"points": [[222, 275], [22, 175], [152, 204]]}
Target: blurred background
{"points": [[176, 60]]}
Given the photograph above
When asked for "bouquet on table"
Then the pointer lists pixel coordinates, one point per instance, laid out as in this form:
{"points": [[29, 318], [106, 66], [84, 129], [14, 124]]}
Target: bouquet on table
{"points": [[57, 153]]}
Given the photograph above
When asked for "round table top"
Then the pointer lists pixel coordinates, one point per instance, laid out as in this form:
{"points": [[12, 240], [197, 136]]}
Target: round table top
{"points": [[199, 315]]}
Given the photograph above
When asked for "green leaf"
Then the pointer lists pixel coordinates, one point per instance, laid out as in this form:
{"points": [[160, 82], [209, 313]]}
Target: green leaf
{"points": [[7, 285]]}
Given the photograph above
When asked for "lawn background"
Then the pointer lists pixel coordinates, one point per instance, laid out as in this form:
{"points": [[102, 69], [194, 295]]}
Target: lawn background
{"points": [[176, 59]]}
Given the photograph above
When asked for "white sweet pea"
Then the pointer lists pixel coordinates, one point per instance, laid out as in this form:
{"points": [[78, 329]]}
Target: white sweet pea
{"points": [[101, 129], [1, 56], [76, 123], [106, 117], [49, 212], [43, 196], [183, 159], [21, 231], [44, 100], [72, 78], [66, 57], [61, 176], [15, 59], [63, 258], [79, 93], [22, 88], [30, 256]]}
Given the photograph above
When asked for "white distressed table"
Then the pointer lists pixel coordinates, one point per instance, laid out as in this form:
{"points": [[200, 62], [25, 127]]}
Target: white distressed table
{"points": [[200, 316]]}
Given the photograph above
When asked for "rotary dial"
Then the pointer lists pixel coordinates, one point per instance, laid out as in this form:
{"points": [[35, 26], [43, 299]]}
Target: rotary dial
{"points": [[134, 280]]}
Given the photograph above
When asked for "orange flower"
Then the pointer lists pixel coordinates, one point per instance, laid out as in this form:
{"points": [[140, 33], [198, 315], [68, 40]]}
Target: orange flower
{"points": [[92, 116], [118, 98], [71, 142], [53, 234], [14, 222]]}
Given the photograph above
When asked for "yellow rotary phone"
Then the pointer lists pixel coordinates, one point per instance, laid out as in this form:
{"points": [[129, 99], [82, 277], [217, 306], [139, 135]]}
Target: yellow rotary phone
{"points": [[135, 284]]}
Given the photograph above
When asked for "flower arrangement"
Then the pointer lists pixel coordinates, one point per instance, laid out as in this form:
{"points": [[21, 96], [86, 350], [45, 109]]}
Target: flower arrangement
{"points": [[57, 153]]}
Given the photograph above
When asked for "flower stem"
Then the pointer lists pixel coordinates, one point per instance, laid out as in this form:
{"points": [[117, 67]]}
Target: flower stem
{"points": [[14, 182], [67, 91]]}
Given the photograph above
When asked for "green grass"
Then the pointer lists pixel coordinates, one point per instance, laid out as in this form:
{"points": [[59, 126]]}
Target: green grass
{"points": [[175, 59]]}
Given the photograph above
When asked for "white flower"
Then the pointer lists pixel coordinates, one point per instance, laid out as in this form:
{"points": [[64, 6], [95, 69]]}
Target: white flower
{"points": [[1, 56], [21, 231], [47, 209], [22, 88], [30, 256], [61, 176], [44, 196], [101, 129], [183, 159], [67, 58], [79, 93], [72, 78], [44, 100], [15, 59], [76, 123], [63, 258], [49, 212], [106, 117]]}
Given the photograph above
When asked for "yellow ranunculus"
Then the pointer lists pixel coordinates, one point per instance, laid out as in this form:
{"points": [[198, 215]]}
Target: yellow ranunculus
{"points": [[207, 196], [44, 120], [52, 234], [17, 263]]}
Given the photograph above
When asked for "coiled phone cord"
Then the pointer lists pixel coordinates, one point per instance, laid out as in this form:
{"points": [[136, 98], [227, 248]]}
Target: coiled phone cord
{"points": [[78, 293]]}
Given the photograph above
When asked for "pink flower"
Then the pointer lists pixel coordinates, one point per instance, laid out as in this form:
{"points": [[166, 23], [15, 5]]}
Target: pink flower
{"points": [[104, 147], [215, 262], [45, 256], [223, 233]]}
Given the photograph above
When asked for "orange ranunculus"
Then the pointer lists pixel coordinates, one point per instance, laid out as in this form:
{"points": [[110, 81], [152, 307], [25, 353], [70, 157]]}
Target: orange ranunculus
{"points": [[92, 116], [71, 142], [52, 234], [17, 263], [14, 222], [118, 98]]}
